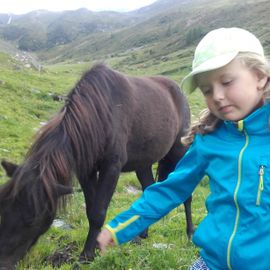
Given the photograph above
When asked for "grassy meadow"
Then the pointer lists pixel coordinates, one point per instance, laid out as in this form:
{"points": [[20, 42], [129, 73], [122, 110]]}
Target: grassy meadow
{"points": [[162, 43], [26, 102]]}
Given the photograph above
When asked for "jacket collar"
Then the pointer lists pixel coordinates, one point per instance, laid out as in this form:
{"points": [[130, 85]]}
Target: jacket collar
{"points": [[255, 123]]}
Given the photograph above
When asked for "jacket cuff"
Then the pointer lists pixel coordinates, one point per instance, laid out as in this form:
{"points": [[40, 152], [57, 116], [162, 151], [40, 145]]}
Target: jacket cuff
{"points": [[112, 231]]}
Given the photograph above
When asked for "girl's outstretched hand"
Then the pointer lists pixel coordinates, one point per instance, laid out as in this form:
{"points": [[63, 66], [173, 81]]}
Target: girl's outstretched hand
{"points": [[104, 240]]}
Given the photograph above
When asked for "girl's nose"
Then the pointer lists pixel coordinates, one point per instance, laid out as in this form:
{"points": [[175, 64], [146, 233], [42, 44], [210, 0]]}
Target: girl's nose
{"points": [[218, 93]]}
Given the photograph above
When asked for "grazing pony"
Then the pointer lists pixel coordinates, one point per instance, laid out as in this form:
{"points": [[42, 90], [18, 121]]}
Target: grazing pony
{"points": [[110, 123]]}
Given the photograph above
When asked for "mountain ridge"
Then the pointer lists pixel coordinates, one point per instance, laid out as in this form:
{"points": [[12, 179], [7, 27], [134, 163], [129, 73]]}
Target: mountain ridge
{"points": [[162, 27]]}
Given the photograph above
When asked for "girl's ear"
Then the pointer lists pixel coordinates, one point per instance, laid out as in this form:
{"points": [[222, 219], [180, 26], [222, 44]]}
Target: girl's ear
{"points": [[262, 80]]}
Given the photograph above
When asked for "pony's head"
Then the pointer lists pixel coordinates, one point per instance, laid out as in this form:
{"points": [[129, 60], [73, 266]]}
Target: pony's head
{"points": [[26, 212]]}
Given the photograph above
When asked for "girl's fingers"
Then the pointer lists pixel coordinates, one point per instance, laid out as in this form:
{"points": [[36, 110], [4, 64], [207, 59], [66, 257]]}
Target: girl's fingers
{"points": [[104, 240]]}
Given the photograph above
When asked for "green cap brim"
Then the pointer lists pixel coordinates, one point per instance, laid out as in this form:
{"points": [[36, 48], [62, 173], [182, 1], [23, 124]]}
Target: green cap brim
{"points": [[189, 84]]}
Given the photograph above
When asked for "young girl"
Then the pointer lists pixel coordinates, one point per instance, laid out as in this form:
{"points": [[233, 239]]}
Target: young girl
{"points": [[231, 145]]}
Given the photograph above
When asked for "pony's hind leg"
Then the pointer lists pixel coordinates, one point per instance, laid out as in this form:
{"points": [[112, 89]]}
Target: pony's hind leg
{"points": [[190, 227], [145, 176], [167, 165], [146, 179]]}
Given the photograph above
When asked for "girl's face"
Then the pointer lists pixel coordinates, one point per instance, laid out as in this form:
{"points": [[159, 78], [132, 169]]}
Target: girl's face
{"points": [[233, 91]]}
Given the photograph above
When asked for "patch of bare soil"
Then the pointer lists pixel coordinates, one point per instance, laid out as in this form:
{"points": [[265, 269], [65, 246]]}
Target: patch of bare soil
{"points": [[63, 255]]}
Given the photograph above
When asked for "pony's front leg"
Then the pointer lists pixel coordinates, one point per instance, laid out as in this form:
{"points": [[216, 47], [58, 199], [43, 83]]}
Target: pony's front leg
{"points": [[105, 187]]}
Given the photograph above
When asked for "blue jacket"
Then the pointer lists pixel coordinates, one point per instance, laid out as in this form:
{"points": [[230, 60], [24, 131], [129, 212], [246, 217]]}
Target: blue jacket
{"points": [[235, 234]]}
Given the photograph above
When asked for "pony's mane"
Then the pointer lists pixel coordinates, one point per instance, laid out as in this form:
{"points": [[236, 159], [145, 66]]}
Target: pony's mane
{"points": [[73, 139]]}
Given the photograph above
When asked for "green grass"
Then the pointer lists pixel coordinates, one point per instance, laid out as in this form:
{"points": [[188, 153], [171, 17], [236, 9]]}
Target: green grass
{"points": [[169, 231], [26, 102]]}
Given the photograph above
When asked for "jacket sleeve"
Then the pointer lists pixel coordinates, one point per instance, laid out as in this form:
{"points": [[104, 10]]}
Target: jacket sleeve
{"points": [[160, 198]]}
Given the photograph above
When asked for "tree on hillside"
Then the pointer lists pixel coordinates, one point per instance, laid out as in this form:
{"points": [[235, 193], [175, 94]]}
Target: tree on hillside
{"points": [[194, 34]]}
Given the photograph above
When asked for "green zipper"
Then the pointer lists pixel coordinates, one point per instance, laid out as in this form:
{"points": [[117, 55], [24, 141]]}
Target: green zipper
{"points": [[236, 202], [260, 187]]}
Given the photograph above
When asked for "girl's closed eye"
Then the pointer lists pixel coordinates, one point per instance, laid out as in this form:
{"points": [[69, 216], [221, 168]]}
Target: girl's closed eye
{"points": [[228, 82]]}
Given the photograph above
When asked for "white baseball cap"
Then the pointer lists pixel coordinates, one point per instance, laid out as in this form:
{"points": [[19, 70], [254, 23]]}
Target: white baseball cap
{"points": [[218, 48]]}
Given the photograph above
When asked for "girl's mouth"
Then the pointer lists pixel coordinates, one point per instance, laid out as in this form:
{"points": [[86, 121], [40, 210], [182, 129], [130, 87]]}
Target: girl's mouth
{"points": [[225, 109]]}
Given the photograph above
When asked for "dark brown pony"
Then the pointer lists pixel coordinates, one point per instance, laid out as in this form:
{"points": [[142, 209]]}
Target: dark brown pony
{"points": [[110, 123]]}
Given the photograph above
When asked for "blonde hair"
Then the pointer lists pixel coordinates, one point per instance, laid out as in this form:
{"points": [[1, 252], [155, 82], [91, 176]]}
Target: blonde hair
{"points": [[207, 121]]}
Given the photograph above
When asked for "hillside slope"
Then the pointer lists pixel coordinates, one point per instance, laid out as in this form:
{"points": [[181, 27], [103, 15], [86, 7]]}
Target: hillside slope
{"points": [[160, 29]]}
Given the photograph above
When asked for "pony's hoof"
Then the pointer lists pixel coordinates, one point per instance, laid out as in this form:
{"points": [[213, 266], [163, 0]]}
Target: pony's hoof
{"points": [[137, 240], [144, 235], [85, 259]]}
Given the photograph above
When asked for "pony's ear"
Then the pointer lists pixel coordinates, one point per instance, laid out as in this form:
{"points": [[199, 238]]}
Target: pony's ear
{"points": [[62, 190], [9, 167]]}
